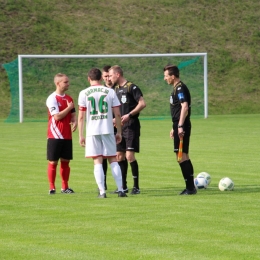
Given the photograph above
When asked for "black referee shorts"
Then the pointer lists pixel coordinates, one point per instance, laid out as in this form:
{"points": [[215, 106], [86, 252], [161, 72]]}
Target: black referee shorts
{"points": [[59, 148], [130, 137], [186, 137]]}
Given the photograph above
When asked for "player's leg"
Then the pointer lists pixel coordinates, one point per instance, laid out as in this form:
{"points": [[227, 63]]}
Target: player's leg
{"points": [[65, 174], [132, 140], [94, 149], [188, 174], [185, 164], [53, 154], [123, 164], [66, 156], [99, 176], [130, 155], [104, 164], [116, 172], [110, 152], [51, 172]]}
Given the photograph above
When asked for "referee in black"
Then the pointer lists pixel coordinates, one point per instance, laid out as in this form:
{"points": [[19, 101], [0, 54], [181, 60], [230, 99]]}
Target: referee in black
{"points": [[132, 103], [180, 106]]}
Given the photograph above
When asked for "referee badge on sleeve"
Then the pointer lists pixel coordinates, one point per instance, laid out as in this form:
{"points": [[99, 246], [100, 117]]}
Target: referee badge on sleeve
{"points": [[180, 96]]}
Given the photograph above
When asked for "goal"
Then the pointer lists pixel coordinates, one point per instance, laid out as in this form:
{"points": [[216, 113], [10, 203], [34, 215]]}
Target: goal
{"points": [[36, 73]]}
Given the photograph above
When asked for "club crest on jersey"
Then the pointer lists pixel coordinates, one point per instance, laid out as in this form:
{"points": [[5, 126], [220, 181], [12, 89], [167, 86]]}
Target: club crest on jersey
{"points": [[123, 99], [59, 104]]}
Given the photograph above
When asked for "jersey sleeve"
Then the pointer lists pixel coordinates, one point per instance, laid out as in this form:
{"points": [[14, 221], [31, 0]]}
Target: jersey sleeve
{"points": [[181, 94], [136, 92], [52, 105], [82, 101]]}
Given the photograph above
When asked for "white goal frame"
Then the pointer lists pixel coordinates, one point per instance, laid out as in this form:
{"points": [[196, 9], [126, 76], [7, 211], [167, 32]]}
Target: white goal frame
{"points": [[24, 56]]}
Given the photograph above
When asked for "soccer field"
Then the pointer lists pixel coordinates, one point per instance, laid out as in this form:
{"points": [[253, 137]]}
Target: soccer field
{"points": [[158, 223]]}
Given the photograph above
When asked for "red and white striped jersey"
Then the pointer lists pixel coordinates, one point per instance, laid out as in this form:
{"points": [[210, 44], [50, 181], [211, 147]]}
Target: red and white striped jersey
{"points": [[58, 129]]}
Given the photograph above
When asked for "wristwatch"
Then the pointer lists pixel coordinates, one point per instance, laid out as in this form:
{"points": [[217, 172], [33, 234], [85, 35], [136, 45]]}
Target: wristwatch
{"points": [[180, 126]]}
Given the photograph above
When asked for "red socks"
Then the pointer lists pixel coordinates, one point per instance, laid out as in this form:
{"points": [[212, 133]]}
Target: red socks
{"points": [[52, 175], [64, 174]]}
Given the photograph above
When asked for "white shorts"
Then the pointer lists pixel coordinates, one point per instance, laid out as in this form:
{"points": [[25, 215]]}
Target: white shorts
{"points": [[100, 145]]}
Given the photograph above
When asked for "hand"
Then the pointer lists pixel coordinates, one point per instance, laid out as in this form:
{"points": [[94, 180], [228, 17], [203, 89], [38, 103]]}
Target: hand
{"points": [[82, 141], [172, 134], [125, 118], [181, 132], [70, 104], [74, 126], [118, 138]]}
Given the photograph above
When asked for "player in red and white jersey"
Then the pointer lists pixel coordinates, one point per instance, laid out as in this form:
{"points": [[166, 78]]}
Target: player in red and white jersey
{"points": [[61, 123], [59, 129], [97, 104]]}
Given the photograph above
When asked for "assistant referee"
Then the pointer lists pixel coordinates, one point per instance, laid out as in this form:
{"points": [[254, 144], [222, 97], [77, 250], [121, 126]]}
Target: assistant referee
{"points": [[180, 107]]}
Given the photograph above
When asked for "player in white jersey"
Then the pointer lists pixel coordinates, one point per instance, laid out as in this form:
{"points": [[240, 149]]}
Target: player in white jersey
{"points": [[109, 84], [97, 104]]}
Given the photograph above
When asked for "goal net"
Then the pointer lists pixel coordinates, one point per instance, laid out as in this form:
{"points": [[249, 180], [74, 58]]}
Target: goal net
{"points": [[31, 80]]}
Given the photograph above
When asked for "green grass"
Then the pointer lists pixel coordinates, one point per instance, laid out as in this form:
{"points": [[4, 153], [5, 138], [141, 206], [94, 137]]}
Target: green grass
{"points": [[227, 30], [157, 224]]}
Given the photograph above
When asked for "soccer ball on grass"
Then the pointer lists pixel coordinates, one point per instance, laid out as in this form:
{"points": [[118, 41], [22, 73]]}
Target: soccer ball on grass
{"points": [[206, 176], [226, 184], [200, 182]]}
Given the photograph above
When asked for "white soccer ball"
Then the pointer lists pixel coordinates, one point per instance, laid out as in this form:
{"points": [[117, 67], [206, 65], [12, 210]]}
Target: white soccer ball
{"points": [[200, 182], [226, 184], [206, 176]]}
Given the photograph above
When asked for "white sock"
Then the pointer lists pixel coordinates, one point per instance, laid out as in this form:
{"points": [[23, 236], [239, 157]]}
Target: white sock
{"points": [[99, 176], [116, 172]]}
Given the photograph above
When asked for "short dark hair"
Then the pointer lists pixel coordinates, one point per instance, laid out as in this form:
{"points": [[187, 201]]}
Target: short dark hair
{"points": [[172, 70], [106, 68], [95, 74], [117, 69]]}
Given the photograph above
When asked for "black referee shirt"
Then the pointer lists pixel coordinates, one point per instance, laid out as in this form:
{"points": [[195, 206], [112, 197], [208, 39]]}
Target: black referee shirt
{"points": [[179, 95], [129, 96]]}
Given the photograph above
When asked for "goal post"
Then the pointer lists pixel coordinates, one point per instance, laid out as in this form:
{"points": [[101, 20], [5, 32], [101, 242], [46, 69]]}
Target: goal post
{"points": [[154, 62]]}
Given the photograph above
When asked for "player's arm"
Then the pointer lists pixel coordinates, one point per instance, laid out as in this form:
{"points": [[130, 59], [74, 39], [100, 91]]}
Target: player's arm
{"points": [[64, 112], [117, 118], [184, 113], [81, 121], [140, 106]]}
